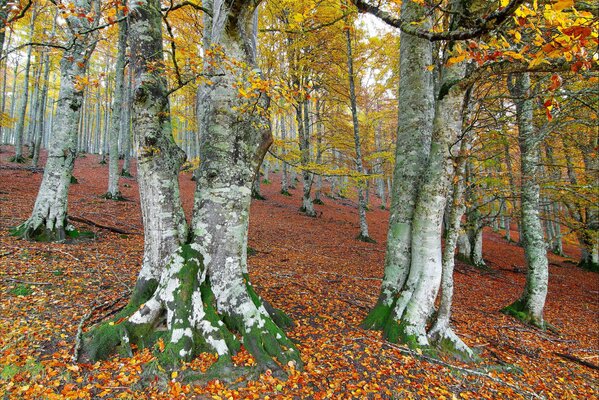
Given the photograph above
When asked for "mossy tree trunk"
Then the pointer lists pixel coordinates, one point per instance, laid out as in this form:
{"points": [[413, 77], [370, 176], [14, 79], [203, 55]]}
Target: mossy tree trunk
{"points": [[48, 221], [20, 129], [202, 293], [117, 112], [414, 252], [362, 188], [416, 109], [529, 307]]}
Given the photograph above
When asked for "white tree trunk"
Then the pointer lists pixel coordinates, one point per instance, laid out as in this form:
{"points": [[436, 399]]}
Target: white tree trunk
{"points": [[116, 114], [530, 305], [48, 220]]}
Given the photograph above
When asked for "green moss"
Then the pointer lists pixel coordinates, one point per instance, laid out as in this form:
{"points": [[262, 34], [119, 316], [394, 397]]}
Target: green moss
{"points": [[286, 193], [126, 174], [21, 290], [519, 311], [103, 341], [406, 338], [448, 347], [19, 159], [378, 316], [266, 181], [589, 265], [281, 319], [211, 315], [391, 330]]}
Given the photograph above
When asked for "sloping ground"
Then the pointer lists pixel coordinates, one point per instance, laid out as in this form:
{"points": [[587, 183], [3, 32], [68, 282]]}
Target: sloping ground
{"points": [[313, 269]]}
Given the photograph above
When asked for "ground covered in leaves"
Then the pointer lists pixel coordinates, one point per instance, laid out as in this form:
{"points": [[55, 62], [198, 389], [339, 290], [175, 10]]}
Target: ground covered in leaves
{"points": [[315, 270]]}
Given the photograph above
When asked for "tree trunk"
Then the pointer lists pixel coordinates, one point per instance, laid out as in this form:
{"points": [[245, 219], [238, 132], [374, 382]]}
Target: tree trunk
{"points": [[117, 110], [285, 173], [24, 97], [41, 114], [303, 129], [529, 307], [416, 109], [362, 202], [203, 291], [126, 126], [48, 221]]}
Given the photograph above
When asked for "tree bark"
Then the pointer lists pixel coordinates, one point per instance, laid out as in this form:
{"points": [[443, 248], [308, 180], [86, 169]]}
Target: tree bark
{"points": [[415, 116], [529, 307], [203, 292], [362, 203], [117, 111], [19, 132], [48, 221]]}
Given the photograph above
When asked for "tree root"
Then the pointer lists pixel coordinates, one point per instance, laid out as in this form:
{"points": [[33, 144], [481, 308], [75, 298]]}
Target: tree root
{"points": [[366, 239], [36, 230], [519, 311], [181, 311], [448, 343], [378, 316]]}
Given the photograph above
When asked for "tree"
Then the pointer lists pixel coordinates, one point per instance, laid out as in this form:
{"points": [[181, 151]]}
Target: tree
{"points": [[117, 110], [362, 203], [48, 220], [203, 290], [529, 307]]}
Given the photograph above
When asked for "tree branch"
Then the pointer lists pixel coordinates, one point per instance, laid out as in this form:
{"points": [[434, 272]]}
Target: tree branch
{"points": [[483, 25]]}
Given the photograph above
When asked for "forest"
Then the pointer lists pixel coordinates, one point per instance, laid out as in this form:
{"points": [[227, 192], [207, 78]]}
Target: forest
{"points": [[259, 199]]}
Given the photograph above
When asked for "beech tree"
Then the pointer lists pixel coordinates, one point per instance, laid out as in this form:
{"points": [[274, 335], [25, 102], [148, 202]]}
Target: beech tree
{"points": [[117, 110], [202, 291], [48, 220]]}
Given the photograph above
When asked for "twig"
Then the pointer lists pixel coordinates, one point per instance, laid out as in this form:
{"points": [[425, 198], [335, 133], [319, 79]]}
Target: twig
{"points": [[28, 282], [79, 334], [63, 252], [21, 168], [577, 360], [97, 225], [86, 317], [404, 350], [7, 253]]}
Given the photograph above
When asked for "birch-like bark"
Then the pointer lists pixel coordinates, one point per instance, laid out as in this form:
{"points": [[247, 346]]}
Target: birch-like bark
{"points": [[48, 220], [285, 173], [24, 97], [117, 110], [126, 126], [41, 114], [362, 203], [303, 130], [532, 301], [415, 116]]}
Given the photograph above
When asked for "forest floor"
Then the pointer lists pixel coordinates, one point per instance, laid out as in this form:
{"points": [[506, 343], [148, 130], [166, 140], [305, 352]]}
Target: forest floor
{"points": [[312, 268]]}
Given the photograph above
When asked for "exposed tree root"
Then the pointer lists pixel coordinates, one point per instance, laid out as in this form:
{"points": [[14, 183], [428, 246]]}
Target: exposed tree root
{"points": [[519, 311], [378, 316], [116, 196], [18, 160], [181, 311], [446, 342], [366, 239], [40, 230]]}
